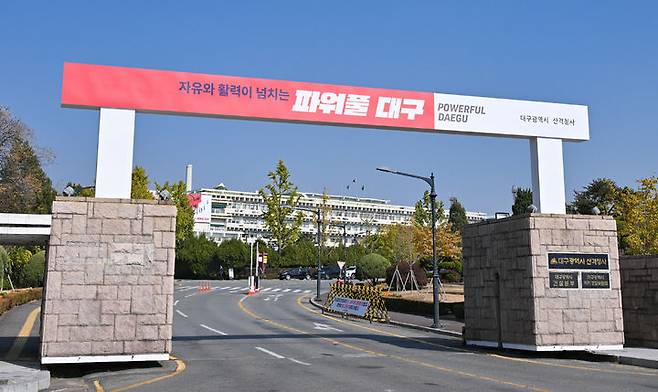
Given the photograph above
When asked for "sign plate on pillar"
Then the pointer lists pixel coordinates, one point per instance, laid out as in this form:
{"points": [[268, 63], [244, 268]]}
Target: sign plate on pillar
{"points": [[563, 280], [596, 280], [578, 261]]}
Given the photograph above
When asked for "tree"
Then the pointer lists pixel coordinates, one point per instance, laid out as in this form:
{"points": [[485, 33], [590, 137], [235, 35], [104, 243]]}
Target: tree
{"points": [[281, 197], [522, 200], [457, 215], [231, 253], [423, 211], [194, 256], [24, 186], [325, 217], [372, 266], [81, 191], [637, 218], [4, 264], [185, 214], [31, 274], [301, 253], [600, 193], [139, 187]]}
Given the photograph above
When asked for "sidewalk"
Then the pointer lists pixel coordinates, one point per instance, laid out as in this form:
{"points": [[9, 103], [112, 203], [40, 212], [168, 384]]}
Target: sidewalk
{"points": [[449, 324], [644, 357]]}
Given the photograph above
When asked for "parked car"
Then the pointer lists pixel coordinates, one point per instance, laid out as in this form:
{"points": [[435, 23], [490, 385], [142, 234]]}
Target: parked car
{"points": [[328, 272], [296, 273]]}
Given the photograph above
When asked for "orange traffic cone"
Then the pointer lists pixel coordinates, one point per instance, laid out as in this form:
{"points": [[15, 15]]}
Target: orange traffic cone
{"points": [[252, 288]]}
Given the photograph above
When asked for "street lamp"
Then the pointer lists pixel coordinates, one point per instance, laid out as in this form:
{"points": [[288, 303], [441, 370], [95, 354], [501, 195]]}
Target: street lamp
{"points": [[435, 268], [319, 235]]}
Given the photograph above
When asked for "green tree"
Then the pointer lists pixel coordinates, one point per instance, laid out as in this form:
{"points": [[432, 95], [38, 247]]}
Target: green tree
{"points": [[139, 188], [281, 197], [372, 266], [325, 217], [637, 218], [423, 211], [232, 254], [31, 274], [185, 213], [302, 252], [522, 200], [4, 264], [194, 256], [600, 193], [457, 215], [24, 186]]}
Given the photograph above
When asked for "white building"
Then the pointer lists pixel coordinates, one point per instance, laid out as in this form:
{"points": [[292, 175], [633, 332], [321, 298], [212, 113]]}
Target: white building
{"points": [[225, 214]]}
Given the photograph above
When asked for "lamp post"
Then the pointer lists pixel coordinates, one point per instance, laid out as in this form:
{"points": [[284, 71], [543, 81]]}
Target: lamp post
{"points": [[435, 268], [318, 213]]}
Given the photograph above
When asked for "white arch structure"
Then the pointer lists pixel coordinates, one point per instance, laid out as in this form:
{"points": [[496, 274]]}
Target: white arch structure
{"points": [[120, 92]]}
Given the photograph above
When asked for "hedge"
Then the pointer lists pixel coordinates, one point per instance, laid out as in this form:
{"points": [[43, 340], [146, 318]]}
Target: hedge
{"points": [[9, 299], [422, 308]]}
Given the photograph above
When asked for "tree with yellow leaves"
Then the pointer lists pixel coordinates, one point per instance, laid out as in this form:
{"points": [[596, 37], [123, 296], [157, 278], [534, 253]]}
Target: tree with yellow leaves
{"points": [[637, 218]]}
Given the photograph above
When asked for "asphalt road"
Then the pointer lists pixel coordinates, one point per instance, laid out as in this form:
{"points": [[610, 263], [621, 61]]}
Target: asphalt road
{"points": [[276, 341]]}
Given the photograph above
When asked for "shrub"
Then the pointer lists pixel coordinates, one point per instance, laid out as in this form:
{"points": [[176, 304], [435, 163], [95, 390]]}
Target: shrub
{"points": [[372, 266], [18, 297], [403, 267], [31, 274]]}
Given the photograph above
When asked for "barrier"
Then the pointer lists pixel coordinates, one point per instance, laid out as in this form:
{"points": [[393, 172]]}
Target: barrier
{"points": [[376, 308]]}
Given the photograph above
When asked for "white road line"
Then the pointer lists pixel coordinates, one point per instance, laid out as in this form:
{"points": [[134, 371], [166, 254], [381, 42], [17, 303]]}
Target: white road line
{"points": [[275, 355], [296, 291], [212, 329], [181, 313], [267, 289], [275, 290], [224, 288], [299, 362], [188, 296], [176, 302], [307, 291], [285, 291]]}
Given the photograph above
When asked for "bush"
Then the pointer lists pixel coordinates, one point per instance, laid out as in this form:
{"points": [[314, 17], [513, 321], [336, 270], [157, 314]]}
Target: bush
{"points": [[31, 274], [372, 266], [18, 297], [403, 267]]}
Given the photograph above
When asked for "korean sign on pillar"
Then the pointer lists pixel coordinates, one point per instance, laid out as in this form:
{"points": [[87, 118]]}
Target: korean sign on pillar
{"points": [[97, 86]]}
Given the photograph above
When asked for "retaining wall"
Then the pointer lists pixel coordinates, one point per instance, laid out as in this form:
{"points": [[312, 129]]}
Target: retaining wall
{"points": [[639, 290]]}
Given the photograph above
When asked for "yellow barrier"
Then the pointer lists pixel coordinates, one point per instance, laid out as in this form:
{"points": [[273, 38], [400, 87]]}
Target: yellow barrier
{"points": [[376, 308]]}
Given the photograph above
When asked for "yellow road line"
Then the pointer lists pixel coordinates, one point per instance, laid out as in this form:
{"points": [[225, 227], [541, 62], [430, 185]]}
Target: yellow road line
{"points": [[504, 357], [23, 334], [180, 367], [396, 357]]}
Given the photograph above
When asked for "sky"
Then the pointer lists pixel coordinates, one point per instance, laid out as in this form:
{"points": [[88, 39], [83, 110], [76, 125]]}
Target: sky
{"points": [[596, 53]]}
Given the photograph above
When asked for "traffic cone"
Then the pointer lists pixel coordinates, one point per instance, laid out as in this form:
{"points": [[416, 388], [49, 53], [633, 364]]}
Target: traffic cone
{"points": [[252, 288]]}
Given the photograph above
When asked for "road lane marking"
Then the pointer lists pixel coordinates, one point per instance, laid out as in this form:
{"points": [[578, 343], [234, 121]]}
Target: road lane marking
{"points": [[299, 362], [23, 334], [384, 355], [189, 295], [325, 327], [471, 351], [181, 313], [296, 291], [213, 330], [224, 288], [267, 289], [98, 386], [180, 367], [286, 290], [275, 290], [266, 351], [176, 302], [307, 291]]}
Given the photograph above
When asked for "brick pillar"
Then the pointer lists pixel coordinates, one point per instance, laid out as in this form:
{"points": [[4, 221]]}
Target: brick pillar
{"points": [[508, 298], [109, 281]]}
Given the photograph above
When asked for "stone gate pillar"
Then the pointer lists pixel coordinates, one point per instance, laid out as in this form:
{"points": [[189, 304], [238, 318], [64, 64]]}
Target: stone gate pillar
{"points": [[543, 282], [108, 291]]}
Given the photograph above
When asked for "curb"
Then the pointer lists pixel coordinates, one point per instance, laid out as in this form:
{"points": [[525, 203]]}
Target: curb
{"points": [[401, 324], [624, 360], [15, 378]]}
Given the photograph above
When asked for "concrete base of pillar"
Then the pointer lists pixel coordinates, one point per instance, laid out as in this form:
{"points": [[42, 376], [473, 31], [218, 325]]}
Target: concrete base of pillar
{"points": [[516, 298]]}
